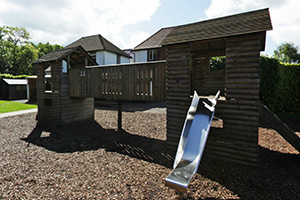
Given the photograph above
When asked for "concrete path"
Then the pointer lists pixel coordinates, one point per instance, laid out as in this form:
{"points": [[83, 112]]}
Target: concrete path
{"points": [[129, 107], [148, 107], [9, 114]]}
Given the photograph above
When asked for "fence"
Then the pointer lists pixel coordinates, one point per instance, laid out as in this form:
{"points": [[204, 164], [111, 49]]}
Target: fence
{"points": [[137, 82]]}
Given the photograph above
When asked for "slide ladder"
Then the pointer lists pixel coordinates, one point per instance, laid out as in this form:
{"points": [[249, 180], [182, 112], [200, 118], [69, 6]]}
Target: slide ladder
{"points": [[192, 142]]}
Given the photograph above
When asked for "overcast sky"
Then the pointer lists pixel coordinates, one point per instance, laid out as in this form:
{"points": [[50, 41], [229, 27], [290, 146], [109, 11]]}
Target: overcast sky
{"points": [[126, 23]]}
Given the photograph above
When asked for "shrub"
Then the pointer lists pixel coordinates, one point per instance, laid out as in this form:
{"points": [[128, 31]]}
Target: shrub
{"points": [[289, 87], [12, 76], [279, 85]]}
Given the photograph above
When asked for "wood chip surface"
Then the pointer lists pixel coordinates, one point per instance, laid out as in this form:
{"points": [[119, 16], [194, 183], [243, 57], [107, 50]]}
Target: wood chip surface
{"points": [[91, 160]]}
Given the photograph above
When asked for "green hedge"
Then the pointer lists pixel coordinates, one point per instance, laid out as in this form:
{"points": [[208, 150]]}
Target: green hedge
{"points": [[12, 76], [280, 85]]}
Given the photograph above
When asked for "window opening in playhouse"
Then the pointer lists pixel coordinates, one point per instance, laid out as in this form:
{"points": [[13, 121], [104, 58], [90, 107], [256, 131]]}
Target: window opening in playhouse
{"points": [[48, 82]]}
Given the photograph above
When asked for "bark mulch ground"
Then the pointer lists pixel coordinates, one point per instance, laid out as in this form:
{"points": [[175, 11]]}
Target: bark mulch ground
{"points": [[92, 160]]}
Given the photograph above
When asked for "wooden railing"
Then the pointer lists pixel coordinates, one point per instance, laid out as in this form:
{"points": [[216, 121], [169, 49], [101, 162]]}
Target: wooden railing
{"points": [[137, 81]]}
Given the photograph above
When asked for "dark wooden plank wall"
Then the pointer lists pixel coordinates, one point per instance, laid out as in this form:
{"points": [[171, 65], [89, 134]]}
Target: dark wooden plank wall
{"points": [[125, 82], [17, 92], [77, 81], [178, 90], [74, 109], [32, 82], [49, 112], [238, 140]]}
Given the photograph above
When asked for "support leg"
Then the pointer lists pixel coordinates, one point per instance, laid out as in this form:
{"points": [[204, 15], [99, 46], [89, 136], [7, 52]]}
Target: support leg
{"points": [[119, 115], [182, 195]]}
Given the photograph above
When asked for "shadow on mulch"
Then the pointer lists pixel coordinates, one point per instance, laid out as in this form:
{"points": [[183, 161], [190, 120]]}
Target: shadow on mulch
{"points": [[292, 122], [277, 175], [89, 135]]}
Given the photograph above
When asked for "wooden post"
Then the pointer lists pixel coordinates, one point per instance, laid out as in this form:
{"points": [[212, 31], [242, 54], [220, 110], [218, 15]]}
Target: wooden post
{"points": [[119, 115]]}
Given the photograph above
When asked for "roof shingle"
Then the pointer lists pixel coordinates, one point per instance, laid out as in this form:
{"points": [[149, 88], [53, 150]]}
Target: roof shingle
{"points": [[244, 23], [61, 53], [97, 43], [56, 55], [155, 40]]}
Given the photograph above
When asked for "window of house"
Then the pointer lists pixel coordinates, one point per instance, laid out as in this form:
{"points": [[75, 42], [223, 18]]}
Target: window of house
{"points": [[152, 54], [93, 55], [118, 59]]}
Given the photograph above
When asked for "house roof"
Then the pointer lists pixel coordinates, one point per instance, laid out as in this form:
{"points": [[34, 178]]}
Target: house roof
{"points": [[244, 23], [61, 53], [155, 40], [15, 81], [97, 43]]}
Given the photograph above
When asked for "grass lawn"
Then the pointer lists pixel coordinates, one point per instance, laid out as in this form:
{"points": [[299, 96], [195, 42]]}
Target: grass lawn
{"points": [[9, 106]]}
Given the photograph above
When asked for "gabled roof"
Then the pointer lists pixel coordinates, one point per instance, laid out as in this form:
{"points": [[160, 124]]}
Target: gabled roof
{"points": [[155, 40], [15, 81], [61, 53], [97, 43], [244, 23]]}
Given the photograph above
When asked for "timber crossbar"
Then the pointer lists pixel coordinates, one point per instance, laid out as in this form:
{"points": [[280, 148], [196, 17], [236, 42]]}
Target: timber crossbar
{"points": [[132, 82]]}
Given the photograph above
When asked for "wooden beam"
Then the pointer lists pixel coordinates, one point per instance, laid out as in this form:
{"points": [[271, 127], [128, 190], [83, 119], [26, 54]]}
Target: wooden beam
{"points": [[120, 115], [289, 135]]}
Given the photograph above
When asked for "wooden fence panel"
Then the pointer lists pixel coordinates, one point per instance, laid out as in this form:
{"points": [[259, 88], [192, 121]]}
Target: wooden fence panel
{"points": [[138, 81]]}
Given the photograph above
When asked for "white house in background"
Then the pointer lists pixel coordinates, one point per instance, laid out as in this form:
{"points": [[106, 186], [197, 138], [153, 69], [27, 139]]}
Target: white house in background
{"points": [[102, 50], [129, 52], [151, 49]]}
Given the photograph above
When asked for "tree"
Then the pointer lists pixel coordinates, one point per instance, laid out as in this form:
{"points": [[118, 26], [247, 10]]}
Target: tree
{"points": [[17, 52], [218, 63], [45, 48], [287, 53], [16, 35]]}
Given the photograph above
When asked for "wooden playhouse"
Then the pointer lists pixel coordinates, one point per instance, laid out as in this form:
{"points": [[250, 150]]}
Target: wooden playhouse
{"points": [[55, 106], [189, 49]]}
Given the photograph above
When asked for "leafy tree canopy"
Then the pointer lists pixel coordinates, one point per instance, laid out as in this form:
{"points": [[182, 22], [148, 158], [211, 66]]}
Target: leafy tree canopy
{"points": [[17, 52], [45, 48], [287, 53]]}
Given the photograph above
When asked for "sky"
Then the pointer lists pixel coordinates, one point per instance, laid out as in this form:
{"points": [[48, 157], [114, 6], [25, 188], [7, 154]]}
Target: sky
{"points": [[127, 23]]}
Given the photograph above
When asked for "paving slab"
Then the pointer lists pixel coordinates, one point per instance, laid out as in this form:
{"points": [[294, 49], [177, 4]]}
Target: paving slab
{"points": [[10, 114]]}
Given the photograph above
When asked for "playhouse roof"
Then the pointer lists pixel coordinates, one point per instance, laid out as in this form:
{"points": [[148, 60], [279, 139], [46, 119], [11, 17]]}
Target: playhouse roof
{"points": [[155, 40], [243, 23], [97, 43], [61, 53]]}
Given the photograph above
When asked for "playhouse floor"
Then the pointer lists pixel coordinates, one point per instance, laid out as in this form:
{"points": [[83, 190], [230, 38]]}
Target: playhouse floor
{"points": [[92, 160]]}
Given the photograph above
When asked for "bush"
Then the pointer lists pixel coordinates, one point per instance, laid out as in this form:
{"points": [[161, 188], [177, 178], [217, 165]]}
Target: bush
{"points": [[12, 76], [289, 87], [279, 85]]}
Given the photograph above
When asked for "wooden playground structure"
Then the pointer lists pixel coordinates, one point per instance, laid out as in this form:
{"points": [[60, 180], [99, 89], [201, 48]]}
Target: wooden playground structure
{"points": [[75, 82]]}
